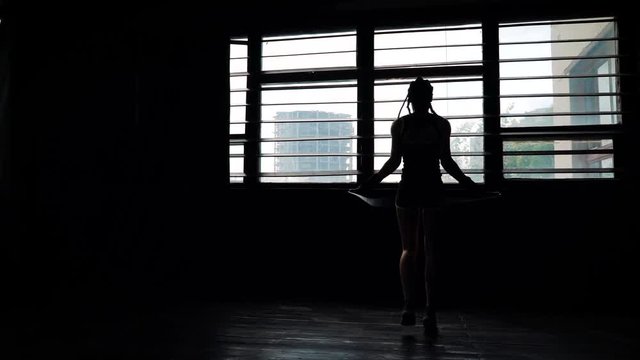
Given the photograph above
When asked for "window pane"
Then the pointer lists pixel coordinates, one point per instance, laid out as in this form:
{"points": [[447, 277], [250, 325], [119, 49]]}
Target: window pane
{"points": [[463, 144], [381, 127], [558, 120], [238, 114], [428, 36], [577, 49], [594, 71], [306, 163], [236, 149], [382, 145], [605, 84], [285, 45], [448, 179], [308, 129], [236, 165], [238, 65], [558, 176], [238, 82], [289, 53], [557, 104], [594, 154], [428, 56], [593, 161], [309, 111], [538, 145], [309, 147], [309, 61], [304, 121], [553, 31], [238, 98], [587, 67], [309, 179], [235, 129], [338, 94], [237, 50], [428, 46]]}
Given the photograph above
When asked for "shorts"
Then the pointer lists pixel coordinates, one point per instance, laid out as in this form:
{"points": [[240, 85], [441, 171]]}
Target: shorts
{"points": [[422, 195]]}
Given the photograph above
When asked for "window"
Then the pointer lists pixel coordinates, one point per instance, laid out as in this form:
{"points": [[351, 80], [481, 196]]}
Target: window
{"points": [[308, 128], [452, 52], [322, 103], [559, 90], [238, 107]]}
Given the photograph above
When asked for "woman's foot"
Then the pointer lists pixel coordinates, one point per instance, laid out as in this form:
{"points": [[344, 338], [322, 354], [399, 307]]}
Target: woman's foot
{"points": [[430, 324], [408, 318]]}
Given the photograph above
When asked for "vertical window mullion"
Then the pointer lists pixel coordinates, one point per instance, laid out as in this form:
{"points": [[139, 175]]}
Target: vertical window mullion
{"points": [[252, 147], [364, 62], [491, 103]]}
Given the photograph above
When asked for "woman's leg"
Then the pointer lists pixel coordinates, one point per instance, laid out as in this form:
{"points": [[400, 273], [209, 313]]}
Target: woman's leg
{"points": [[408, 223], [429, 228]]}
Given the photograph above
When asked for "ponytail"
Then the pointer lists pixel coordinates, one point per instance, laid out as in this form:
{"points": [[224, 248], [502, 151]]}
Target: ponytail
{"points": [[432, 111], [402, 106]]}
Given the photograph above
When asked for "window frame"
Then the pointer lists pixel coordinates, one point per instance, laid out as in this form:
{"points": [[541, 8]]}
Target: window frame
{"points": [[366, 75]]}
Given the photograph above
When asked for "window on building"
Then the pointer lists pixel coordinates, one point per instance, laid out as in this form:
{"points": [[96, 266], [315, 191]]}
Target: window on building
{"points": [[315, 118]]}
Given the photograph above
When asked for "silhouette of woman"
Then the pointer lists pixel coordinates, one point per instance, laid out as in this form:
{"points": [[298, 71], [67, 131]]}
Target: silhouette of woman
{"points": [[421, 140]]}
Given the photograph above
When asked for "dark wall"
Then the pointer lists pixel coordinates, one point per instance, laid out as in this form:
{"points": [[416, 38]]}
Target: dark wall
{"points": [[116, 187], [116, 123], [562, 246]]}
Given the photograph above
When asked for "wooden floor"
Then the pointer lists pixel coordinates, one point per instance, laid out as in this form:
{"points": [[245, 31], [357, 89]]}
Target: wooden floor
{"points": [[348, 332], [294, 330]]}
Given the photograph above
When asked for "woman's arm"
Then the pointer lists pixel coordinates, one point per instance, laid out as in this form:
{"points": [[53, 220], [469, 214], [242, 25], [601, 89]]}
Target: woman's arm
{"points": [[394, 159], [449, 165]]}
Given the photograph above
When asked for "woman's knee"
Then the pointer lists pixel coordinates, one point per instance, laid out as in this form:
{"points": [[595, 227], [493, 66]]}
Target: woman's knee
{"points": [[410, 253]]}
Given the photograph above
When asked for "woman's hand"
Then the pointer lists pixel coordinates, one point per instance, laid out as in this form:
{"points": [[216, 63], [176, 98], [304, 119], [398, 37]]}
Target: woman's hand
{"points": [[469, 184], [360, 189]]}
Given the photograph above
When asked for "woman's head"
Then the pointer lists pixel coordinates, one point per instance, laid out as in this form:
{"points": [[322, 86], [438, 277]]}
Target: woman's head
{"points": [[420, 94]]}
